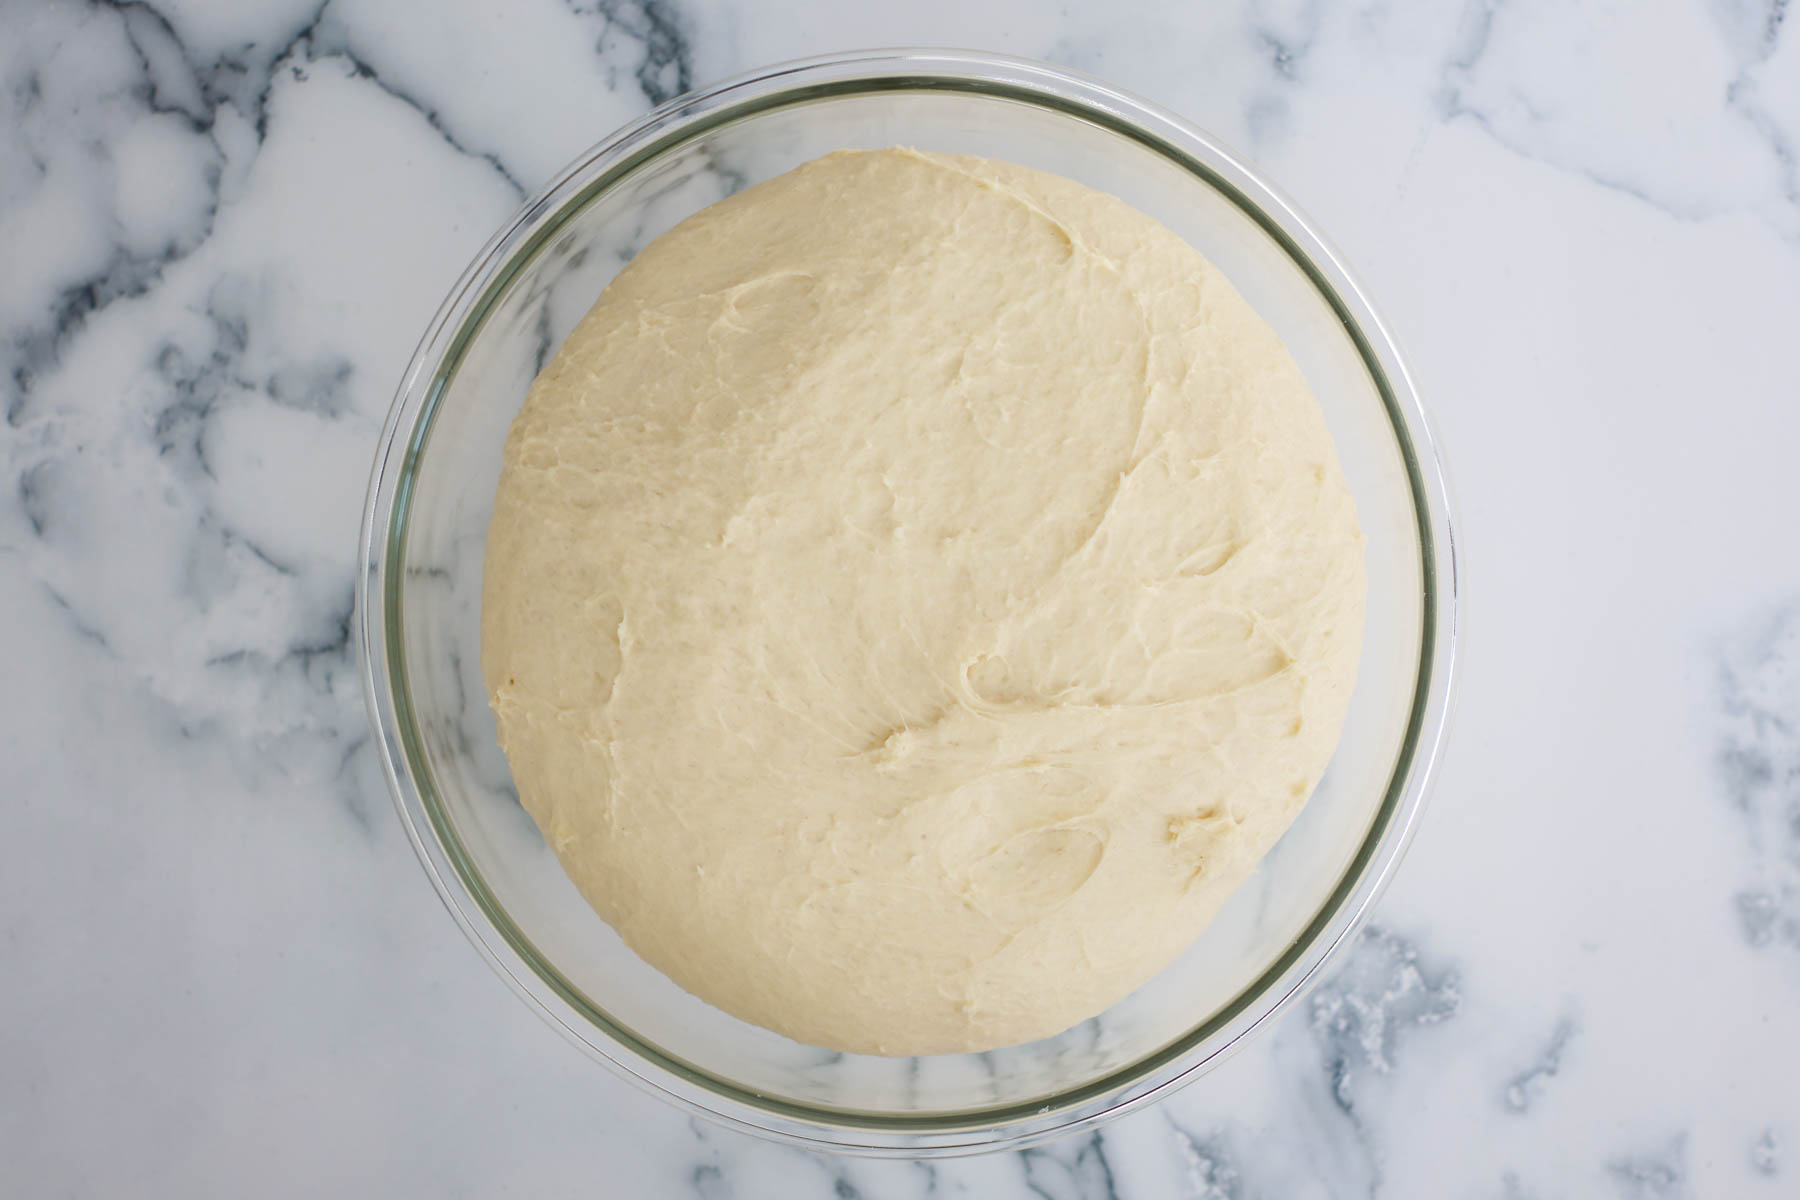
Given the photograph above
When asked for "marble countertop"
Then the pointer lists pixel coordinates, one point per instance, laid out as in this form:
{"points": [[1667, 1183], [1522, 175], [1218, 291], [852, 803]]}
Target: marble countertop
{"points": [[222, 229]]}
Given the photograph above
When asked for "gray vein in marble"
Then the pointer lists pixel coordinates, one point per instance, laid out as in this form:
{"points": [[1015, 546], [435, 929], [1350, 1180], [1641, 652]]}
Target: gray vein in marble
{"points": [[84, 629], [1757, 763], [1742, 96], [1466, 58], [303, 691], [171, 84], [179, 427], [179, 82], [1364, 1013], [1523, 1089], [707, 1178], [1287, 33], [330, 39], [333, 643], [320, 387], [1362, 1016], [1512, 112], [36, 485], [171, 81], [1653, 1175], [230, 544], [166, 82], [36, 350], [1073, 1169], [709, 1182], [1212, 1170], [546, 341], [1760, 918], [1513, 1188], [667, 67], [1477, 28], [717, 1177], [1765, 1153]]}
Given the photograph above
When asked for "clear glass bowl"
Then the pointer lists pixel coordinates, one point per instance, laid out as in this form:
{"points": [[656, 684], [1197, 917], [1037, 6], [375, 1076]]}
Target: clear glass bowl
{"points": [[419, 597]]}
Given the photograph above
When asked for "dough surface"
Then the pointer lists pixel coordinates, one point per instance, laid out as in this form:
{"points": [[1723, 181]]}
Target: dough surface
{"points": [[918, 593]]}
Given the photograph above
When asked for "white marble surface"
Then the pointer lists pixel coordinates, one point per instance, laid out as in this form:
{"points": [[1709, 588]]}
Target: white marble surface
{"points": [[222, 228]]}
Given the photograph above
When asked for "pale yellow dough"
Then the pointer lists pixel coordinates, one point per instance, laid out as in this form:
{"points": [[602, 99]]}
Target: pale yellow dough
{"points": [[918, 594]]}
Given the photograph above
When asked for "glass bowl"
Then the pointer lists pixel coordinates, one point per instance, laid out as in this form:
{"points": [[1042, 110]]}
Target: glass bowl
{"points": [[420, 587]]}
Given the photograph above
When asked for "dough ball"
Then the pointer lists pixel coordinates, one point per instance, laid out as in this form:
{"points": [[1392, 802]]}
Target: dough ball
{"points": [[918, 594]]}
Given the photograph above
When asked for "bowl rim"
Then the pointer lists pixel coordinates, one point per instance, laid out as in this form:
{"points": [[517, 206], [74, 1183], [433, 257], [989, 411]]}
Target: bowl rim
{"points": [[381, 578]]}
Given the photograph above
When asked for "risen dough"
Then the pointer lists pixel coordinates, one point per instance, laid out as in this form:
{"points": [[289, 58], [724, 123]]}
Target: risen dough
{"points": [[918, 594]]}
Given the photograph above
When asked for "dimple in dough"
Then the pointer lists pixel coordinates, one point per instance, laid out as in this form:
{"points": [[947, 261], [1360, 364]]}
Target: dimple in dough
{"points": [[918, 593]]}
